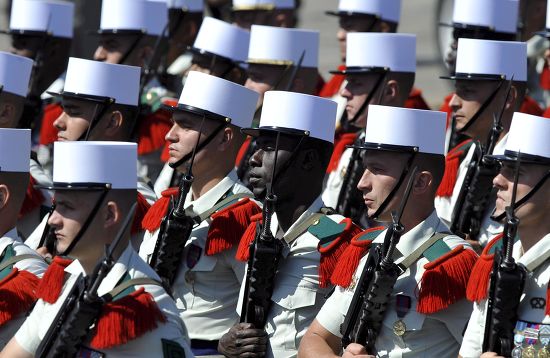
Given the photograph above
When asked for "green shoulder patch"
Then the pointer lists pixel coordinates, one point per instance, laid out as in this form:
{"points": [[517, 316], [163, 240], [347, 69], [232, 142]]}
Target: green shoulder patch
{"points": [[8, 253], [497, 246], [171, 349], [127, 291], [437, 250], [326, 230], [367, 236]]}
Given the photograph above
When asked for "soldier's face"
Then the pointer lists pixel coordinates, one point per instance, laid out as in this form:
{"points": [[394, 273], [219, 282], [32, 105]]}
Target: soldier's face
{"points": [[382, 171], [263, 78], [26, 46], [536, 208], [357, 90], [75, 119], [356, 23], [245, 19], [112, 48], [211, 66]]}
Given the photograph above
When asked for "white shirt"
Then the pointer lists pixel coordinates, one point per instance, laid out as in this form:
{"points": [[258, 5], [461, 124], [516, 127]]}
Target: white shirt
{"points": [[535, 287], [164, 179], [206, 288], [434, 335], [36, 266], [37, 324]]}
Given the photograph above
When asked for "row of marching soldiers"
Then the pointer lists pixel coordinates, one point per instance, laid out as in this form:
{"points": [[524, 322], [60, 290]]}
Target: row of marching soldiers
{"points": [[280, 223]]}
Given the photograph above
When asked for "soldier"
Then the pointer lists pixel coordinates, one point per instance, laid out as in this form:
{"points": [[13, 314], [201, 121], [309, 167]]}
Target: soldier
{"points": [[380, 69], [95, 191], [284, 290], [207, 278], [490, 84], [20, 267], [280, 13], [422, 312], [524, 175]]}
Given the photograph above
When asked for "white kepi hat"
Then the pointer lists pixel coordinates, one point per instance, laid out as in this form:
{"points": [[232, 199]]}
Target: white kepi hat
{"points": [[15, 73], [94, 165], [529, 137], [141, 16], [15, 150], [388, 10], [217, 98], [244, 5], [297, 114], [405, 130], [50, 17], [490, 15], [216, 37], [375, 51], [185, 5], [282, 46], [490, 60], [94, 80]]}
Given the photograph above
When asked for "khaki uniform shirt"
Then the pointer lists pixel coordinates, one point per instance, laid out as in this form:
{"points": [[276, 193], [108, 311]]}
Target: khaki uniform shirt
{"points": [[37, 324], [206, 288], [434, 335], [535, 288], [37, 266]]}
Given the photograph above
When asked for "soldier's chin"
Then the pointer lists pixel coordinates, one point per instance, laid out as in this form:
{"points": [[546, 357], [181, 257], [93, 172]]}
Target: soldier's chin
{"points": [[259, 192]]}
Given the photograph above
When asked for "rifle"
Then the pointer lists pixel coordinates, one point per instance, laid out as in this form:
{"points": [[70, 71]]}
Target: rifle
{"points": [[477, 187], [370, 301], [47, 239], [506, 288], [82, 306], [265, 253]]}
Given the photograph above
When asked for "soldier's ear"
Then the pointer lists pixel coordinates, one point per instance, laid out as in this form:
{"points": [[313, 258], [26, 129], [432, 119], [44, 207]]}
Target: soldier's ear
{"points": [[7, 112], [112, 214], [116, 120], [4, 196], [423, 182], [391, 91], [512, 97], [310, 159]]}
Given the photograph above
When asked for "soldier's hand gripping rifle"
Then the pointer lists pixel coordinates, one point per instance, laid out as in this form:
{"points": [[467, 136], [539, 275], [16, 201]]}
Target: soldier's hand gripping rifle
{"points": [[82, 307], [472, 202], [506, 288], [175, 229], [265, 253], [372, 295]]}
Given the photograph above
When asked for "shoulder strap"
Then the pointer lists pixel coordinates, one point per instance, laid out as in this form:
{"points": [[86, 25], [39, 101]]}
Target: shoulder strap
{"points": [[15, 259], [416, 254], [133, 282], [300, 228], [533, 265], [231, 198]]}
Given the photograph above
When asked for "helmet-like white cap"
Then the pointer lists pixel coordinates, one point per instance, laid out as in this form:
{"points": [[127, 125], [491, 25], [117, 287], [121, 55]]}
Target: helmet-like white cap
{"points": [[220, 97], [311, 115], [82, 164], [496, 15], [283, 46], [186, 5], [94, 78], [54, 17], [368, 50], [15, 73], [486, 59], [389, 10], [147, 16], [222, 39], [392, 128], [15, 150]]}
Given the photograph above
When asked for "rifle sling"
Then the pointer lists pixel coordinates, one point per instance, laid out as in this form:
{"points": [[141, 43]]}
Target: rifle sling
{"points": [[133, 282], [416, 254], [15, 259], [203, 216], [532, 266]]}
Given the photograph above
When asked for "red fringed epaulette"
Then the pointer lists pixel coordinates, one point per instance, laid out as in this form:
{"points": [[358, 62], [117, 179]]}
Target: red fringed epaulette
{"points": [[151, 221], [243, 251], [348, 262], [332, 87], [341, 144], [416, 101], [152, 130], [51, 284], [452, 162], [33, 198], [545, 78], [229, 225], [141, 210], [446, 107], [478, 285], [48, 133], [126, 319], [445, 279], [331, 249], [530, 106], [17, 294]]}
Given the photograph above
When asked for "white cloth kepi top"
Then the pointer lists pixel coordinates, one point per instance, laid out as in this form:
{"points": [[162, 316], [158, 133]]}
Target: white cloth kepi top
{"points": [[487, 59], [147, 16], [54, 17], [221, 97], [79, 163], [222, 39], [312, 115], [244, 5], [94, 78], [186, 5], [15, 150], [15, 73], [283, 46], [529, 136], [496, 15], [396, 52], [389, 10], [404, 127]]}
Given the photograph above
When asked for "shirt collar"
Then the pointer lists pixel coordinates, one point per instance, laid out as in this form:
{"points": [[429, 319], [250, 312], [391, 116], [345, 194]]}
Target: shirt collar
{"points": [[534, 252], [8, 239], [212, 196]]}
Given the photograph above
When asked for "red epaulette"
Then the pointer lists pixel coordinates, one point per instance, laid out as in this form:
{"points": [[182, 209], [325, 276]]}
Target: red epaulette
{"points": [[51, 284], [17, 294], [141, 210], [530, 106], [416, 101], [446, 107], [48, 133], [452, 162], [320, 84], [243, 251], [332, 87], [153, 218], [228, 226], [339, 147], [33, 198], [478, 285], [545, 77]]}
